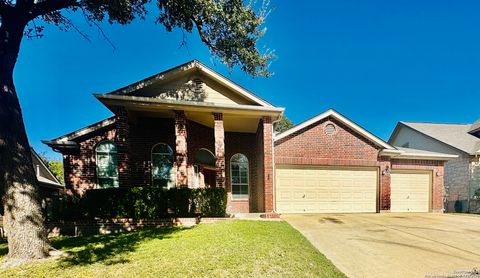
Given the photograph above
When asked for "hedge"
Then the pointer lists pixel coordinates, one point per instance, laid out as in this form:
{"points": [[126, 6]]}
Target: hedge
{"points": [[140, 203]]}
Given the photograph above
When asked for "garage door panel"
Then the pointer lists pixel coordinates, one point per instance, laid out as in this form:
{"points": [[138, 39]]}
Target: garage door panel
{"points": [[313, 189], [410, 191]]}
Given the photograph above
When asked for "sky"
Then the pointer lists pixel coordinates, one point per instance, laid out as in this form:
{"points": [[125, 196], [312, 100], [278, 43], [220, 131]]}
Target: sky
{"points": [[376, 62]]}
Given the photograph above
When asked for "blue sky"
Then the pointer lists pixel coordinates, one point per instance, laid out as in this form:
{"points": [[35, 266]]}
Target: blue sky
{"points": [[376, 62]]}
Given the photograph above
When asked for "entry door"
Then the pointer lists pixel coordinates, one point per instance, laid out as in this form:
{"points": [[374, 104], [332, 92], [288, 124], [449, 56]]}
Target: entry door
{"points": [[302, 189], [410, 191]]}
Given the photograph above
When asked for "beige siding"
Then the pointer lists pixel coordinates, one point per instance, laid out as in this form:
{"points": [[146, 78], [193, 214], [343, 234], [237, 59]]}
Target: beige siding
{"points": [[457, 171], [182, 89]]}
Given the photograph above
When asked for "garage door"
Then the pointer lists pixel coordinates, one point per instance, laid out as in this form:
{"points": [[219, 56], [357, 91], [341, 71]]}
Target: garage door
{"points": [[410, 191], [325, 190]]}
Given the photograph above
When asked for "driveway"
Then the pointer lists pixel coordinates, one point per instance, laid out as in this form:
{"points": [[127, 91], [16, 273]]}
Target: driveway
{"points": [[393, 244]]}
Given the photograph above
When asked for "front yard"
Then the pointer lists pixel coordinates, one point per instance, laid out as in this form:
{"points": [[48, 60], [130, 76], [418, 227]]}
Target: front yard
{"points": [[224, 249]]}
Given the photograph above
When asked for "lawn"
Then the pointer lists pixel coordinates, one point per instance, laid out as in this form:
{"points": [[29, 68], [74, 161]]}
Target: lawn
{"points": [[223, 249]]}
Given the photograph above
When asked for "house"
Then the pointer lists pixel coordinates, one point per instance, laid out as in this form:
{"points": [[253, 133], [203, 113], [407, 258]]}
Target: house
{"points": [[190, 126], [462, 174], [49, 186]]}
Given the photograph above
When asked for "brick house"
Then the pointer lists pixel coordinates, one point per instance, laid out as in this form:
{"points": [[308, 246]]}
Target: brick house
{"points": [[190, 126], [462, 174]]}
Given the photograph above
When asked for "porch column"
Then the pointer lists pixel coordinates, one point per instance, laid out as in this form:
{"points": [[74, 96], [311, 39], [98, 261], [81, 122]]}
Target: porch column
{"points": [[219, 149], [121, 139], [268, 163], [181, 149]]}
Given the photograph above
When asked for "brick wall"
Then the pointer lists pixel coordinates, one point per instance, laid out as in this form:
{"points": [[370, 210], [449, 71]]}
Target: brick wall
{"points": [[144, 134], [312, 146], [437, 169], [236, 142], [80, 167]]}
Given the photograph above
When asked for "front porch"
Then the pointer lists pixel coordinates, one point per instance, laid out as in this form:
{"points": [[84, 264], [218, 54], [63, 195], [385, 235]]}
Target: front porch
{"points": [[200, 149]]}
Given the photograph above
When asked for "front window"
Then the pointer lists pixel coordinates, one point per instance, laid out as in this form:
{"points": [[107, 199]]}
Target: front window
{"points": [[106, 159], [162, 165], [239, 176]]}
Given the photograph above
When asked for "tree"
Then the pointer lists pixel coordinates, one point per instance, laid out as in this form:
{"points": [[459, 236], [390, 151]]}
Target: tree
{"points": [[230, 29], [282, 125]]}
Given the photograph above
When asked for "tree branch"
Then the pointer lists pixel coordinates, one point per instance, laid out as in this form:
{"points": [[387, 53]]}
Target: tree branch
{"points": [[48, 6], [5, 7], [203, 38]]}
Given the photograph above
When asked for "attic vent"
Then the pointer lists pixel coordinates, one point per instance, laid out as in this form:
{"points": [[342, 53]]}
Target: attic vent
{"points": [[330, 129], [198, 85]]}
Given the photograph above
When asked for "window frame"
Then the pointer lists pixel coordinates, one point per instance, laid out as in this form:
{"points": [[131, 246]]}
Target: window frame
{"points": [[170, 182], [239, 197], [114, 179]]}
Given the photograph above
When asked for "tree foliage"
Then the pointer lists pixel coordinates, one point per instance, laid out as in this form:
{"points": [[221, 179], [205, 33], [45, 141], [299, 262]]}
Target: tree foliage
{"points": [[55, 166], [282, 125], [230, 28]]}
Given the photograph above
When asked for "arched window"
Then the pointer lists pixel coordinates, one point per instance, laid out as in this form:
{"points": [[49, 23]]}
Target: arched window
{"points": [[162, 165], [205, 157], [204, 170], [106, 159], [239, 176]]}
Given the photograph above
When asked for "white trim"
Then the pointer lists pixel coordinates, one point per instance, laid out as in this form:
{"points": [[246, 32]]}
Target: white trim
{"points": [[342, 119], [173, 169], [426, 156], [194, 64], [240, 196], [52, 176], [154, 103], [228, 83], [82, 131], [96, 164]]}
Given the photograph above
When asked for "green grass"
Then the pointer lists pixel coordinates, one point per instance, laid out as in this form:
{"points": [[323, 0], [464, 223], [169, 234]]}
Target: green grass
{"points": [[223, 249]]}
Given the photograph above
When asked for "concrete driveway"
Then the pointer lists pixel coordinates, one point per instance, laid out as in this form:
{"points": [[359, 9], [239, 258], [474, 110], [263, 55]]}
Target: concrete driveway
{"points": [[392, 244]]}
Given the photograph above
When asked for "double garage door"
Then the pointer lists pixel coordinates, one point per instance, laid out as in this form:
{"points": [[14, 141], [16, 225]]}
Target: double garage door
{"points": [[301, 189]]}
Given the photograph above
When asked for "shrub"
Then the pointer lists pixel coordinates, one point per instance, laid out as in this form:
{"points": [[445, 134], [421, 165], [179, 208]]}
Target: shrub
{"points": [[140, 203]]}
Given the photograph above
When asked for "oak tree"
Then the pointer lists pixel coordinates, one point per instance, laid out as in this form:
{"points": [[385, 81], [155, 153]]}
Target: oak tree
{"points": [[230, 29]]}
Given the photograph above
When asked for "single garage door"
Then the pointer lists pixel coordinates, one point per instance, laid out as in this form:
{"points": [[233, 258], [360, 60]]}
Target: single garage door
{"points": [[325, 190], [410, 191]]}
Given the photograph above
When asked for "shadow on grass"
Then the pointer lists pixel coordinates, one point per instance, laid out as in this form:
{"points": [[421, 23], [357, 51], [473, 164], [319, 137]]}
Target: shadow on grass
{"points": [[3, 247], [106, 249]]}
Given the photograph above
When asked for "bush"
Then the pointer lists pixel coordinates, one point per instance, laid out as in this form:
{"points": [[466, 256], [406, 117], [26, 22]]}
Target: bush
{"points": [[140, 203]]}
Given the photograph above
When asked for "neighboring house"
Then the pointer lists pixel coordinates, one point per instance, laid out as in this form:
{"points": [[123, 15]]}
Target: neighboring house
{"points": [[190, 126], [49, 186], [462, 175]]}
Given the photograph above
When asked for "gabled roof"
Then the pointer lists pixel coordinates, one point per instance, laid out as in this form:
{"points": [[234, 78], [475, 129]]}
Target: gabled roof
{"points": [[69, 138], [44, 176], [453, 135], [339, 117], [475, 127], [187, 67]]}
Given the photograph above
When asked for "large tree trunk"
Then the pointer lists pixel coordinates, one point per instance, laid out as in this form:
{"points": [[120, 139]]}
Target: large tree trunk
{"points": [[23, 220]]}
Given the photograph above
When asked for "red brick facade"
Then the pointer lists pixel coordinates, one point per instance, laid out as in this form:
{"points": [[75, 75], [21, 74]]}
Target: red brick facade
{"points": [[345, 147], [437, 168], [136, 138]]}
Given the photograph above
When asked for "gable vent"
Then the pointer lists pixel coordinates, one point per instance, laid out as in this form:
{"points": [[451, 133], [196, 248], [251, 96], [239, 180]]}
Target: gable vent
{"points": [[330, 129], [198, 85]]}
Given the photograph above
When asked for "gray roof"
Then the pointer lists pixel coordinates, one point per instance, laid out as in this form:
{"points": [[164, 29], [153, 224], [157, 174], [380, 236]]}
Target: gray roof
{"points": [[475, 127], [454, 135]]}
